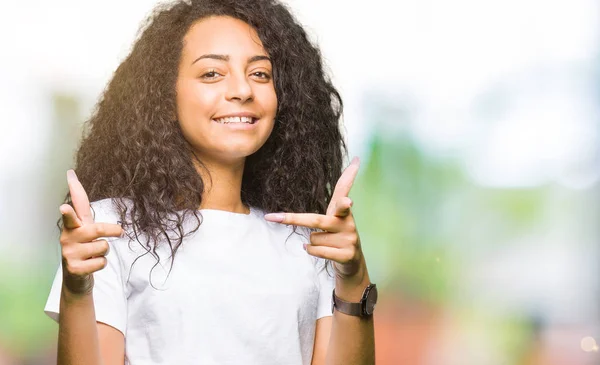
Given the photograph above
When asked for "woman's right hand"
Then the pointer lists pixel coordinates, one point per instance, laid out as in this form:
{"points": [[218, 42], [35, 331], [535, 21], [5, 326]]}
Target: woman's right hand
{"points": [[82, 252]]}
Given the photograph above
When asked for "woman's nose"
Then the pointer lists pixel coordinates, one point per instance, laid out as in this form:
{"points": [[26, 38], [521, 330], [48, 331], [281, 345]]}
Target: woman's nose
{"points": [[239, 88]]}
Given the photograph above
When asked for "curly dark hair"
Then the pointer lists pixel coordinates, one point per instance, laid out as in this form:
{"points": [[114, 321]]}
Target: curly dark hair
{"points": [[133, 148]]}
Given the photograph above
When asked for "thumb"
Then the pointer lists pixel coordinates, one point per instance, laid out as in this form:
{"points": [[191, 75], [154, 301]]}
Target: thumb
{"points": [[342, 207], [69, 217]]}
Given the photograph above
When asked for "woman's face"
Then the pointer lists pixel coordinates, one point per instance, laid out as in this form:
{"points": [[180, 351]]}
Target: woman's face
{"points": [[226, 101]]}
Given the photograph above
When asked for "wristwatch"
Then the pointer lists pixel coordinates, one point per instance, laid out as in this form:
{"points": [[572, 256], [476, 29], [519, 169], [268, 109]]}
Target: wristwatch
{"points": [[364, 308]]}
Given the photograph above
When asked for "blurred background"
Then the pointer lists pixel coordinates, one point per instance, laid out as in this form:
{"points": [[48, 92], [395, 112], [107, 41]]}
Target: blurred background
{"points": [[477, 123]]}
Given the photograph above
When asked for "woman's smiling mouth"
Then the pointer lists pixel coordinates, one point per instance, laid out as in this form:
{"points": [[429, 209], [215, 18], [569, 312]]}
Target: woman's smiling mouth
{"points": [[236, 120]]}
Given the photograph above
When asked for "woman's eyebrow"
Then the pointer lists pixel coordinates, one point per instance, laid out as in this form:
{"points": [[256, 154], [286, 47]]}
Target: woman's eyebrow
{"points": [[221, 57], [258, 58]]}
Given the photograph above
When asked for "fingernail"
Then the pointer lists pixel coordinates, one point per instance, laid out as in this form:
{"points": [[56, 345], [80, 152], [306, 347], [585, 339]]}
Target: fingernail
{"points": [[71, 175], [275, 217], [304, 246], [355, 160]]}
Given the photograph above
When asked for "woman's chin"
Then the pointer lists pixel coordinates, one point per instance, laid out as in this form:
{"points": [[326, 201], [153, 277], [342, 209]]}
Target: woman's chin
{"points": [[229, 155]]}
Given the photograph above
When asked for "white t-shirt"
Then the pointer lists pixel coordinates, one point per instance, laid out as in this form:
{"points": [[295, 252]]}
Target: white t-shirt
{"points": [[240, 292]]}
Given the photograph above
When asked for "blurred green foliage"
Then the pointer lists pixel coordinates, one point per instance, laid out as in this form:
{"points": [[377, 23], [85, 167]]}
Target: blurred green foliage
{"points": [[417, 214], [400, 197], [24, 288]]}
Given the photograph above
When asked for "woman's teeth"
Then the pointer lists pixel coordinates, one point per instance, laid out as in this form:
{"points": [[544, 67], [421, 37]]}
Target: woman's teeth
{"points": [[229, 120]]}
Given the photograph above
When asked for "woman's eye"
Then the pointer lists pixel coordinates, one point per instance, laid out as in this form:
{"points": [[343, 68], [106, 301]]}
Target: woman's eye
{"points": [[261, 75], [210, 75]]}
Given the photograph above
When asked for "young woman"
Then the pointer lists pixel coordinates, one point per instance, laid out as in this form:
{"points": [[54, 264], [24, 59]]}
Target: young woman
{"points": [[220, 114]]}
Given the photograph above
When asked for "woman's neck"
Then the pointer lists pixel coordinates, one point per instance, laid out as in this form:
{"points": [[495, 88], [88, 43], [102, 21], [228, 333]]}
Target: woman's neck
{"points": [[222, 189]]}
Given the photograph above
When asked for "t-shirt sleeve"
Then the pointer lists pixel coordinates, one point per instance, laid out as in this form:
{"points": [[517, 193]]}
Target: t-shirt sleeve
{"points": [[110, 303], [326, 285]]}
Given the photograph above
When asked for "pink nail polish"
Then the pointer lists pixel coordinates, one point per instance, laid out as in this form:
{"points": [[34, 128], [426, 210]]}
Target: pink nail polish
{"points": [[71, 175], [304, 246], [275, 217]]}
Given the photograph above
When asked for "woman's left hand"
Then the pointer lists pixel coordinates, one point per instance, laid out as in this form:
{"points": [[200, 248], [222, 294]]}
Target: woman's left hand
{"points": [[339, 240]]}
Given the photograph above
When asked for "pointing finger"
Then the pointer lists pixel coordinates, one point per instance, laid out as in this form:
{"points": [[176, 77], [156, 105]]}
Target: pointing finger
{"points": [[91, 232], [79, 198], [311, 220]]}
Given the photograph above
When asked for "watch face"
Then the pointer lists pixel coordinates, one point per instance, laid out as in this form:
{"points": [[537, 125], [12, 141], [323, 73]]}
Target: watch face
{"points": [[371, 301]]}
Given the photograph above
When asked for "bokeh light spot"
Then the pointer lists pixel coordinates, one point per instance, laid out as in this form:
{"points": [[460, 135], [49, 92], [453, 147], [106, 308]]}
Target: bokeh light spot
{"points": [[588, 344]]}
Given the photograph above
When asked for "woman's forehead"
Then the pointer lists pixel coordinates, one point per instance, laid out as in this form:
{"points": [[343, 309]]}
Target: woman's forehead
{"points": [[222, 35]]}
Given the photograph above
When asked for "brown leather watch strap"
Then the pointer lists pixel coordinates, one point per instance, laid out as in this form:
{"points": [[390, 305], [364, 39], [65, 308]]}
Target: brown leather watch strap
{"points": [[353, 309]]}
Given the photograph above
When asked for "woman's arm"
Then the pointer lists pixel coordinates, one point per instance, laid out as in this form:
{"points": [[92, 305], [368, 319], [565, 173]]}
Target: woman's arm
{"points": [[82, 340], [77, 333], [352, 338], [344, 339]]}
